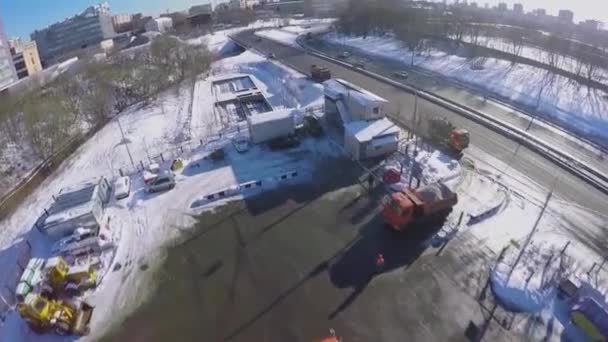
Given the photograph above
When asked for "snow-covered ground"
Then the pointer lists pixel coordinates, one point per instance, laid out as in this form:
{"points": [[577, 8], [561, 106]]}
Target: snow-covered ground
{"points": [[566, 63], [289, 34], [179, 123], [560, 98]]}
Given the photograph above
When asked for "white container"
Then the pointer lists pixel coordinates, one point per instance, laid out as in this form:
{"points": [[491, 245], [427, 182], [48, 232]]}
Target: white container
{"points": [[267, 126]]}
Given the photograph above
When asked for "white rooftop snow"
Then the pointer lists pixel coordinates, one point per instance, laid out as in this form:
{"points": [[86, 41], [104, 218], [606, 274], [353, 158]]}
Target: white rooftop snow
{"points": [[336, 87], [368, 130], [270, 116]]}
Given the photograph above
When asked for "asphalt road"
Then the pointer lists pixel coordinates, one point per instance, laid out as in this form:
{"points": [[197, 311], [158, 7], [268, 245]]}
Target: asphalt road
{"points": [[529, 163]]}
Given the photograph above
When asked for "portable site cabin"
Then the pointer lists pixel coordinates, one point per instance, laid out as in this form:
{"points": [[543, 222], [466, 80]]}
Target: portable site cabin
{"points": [[370, 139], [351, 102], [74, 207], [267, 126]]}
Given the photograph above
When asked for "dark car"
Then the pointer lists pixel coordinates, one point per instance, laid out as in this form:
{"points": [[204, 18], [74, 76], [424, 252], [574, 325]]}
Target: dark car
{"points": [[282, 143]]}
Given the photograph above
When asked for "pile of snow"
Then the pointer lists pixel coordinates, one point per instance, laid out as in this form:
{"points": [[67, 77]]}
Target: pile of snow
{"points": [[434, 165], [532, 284], [561, 99]]}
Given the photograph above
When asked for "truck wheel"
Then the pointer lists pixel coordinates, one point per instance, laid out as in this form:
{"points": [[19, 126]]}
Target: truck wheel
{"points": [[62, 329]]}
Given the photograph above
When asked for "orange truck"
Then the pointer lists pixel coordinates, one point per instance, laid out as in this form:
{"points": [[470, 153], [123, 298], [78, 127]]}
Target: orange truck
{"points": [[414, 206]]}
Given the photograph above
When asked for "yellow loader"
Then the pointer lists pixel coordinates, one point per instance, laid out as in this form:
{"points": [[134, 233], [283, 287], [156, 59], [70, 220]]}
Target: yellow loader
{"points": [[43, 315]]}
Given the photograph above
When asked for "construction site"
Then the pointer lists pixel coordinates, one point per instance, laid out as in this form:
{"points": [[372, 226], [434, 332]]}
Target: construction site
{"points": [[258, 203]]}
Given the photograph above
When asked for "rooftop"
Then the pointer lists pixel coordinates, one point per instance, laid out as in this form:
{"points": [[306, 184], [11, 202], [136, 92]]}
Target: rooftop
{"points": [[368, 130], [336, 87], [270, 116]]}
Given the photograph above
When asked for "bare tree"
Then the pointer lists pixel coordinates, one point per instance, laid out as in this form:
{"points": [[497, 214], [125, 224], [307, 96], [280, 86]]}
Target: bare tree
{"points": [[412, 31], [515, 36]]}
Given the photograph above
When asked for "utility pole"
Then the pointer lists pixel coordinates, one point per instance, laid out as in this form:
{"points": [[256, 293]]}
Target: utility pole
{"points": [[124, 140], [414, 129], [529, 238]]}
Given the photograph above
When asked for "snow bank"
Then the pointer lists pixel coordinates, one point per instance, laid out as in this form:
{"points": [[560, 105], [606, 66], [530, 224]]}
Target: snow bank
{"points": [[532, 284], [560, 98]]}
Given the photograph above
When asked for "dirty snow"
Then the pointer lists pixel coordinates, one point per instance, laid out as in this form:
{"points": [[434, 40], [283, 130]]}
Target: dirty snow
{"points": [[560, 98]]}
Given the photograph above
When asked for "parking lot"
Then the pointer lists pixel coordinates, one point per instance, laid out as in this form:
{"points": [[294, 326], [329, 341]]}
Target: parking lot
{"points": [[292, 263]]}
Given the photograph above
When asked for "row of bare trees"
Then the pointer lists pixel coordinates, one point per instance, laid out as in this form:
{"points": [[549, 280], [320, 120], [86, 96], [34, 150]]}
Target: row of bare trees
{"points": [[47, 117], [418, 26]]}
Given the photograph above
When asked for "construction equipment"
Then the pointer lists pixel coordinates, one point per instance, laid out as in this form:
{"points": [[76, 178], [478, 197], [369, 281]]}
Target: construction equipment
{"points": [[443, 133], [319, 73], [43, 315], [54, 277], [69, 279], [414, 206]]}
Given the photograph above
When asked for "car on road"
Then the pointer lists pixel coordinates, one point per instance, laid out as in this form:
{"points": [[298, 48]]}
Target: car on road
{"points": [[258, 39], [241, 144], [283, 143], [122, 187], [165, 180], [272, 56], [344, 54], [401, 74]]}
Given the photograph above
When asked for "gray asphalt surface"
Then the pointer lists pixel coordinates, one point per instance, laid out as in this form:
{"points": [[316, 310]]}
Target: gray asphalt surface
{"points": [[290, 264], [530, 163]]}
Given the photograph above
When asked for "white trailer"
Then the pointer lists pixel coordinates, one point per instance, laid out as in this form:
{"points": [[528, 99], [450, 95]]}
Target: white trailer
{"points": [[267, 126]]}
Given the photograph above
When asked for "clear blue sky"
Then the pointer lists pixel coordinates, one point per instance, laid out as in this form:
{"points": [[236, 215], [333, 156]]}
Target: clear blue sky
{"points": [[22, 17]]}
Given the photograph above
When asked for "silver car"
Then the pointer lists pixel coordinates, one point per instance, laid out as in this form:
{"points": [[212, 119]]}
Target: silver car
{"points": [[163, 181]]}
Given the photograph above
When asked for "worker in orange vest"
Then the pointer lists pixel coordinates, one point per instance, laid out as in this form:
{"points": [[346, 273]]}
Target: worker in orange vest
{"points": [[379, 262]]}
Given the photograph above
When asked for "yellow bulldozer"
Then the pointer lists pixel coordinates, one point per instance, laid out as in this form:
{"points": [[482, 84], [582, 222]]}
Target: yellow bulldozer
{"points": [[43, 315]]}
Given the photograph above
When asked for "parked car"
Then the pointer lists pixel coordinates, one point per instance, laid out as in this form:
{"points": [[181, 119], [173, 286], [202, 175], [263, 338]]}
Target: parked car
{"points": [[285, 142], [272, 56], [313, 126], [122, 187], [78, 235], [344, 54], [401, 74], [163, 181], [241, 144]]}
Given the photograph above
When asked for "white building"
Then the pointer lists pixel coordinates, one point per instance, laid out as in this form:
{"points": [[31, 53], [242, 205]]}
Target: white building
{"points": [[267, 126], [370, 139], [75, 207], [367, 133], [162, 24]]}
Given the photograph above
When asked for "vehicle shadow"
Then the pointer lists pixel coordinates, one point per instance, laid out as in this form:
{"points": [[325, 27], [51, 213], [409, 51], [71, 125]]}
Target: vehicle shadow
{"points": [[357, 267]]}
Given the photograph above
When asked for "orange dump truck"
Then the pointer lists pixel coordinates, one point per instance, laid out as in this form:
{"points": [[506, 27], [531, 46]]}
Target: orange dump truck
{"points": [[428, 203]]}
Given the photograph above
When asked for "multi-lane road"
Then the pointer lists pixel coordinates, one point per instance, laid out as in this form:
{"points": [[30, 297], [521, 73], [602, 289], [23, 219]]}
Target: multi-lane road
{"points": [[532, 164]]}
